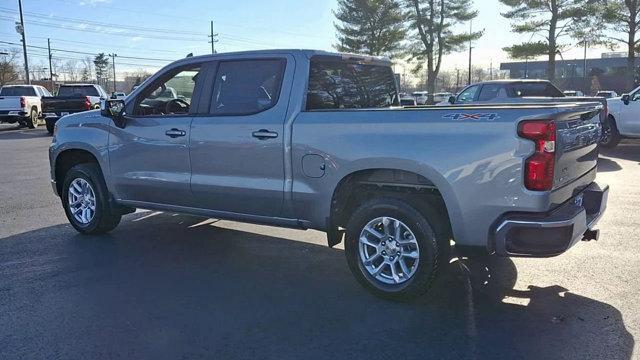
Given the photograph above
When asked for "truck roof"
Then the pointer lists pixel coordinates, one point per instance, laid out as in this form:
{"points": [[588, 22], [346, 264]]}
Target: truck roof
{"points": [[304, 52]]}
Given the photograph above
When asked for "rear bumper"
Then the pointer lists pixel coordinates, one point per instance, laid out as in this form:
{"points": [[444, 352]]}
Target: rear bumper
{"points": [[12, 115], [551, 234]]}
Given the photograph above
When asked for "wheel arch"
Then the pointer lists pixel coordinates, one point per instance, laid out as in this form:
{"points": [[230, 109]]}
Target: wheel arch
{"points": [[406, 183], [69, 158]]}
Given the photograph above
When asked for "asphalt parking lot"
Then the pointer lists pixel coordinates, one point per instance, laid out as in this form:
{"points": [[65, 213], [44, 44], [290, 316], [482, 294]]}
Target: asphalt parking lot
{"points": [[167, 286]]}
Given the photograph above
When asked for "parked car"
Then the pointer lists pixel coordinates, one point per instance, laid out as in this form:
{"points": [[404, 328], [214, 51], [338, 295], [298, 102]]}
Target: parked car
{"points": [[573, 93], [623, 120], [71, 98], [440, 97], [408, 101], [22, 104], [118, 95], [271, 137], [607, 94], [422, 97]]}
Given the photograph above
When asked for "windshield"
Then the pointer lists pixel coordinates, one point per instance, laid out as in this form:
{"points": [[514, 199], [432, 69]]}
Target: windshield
{"points": [[18, 91], [78, 90]]}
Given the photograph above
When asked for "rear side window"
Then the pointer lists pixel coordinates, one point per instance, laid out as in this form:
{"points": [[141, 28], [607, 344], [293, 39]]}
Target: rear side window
{"points": [[343, 85], [18, 91], [533, 89], [247, 87], [78, 91]]}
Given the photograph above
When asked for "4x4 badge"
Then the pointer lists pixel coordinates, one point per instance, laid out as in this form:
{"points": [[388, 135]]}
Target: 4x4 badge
{"points": [[463, 116]]}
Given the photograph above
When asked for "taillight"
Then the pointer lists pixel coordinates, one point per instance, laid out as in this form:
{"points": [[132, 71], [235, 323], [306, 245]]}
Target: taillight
{"points": [[23, 102], [539, 168], [87, 103]]}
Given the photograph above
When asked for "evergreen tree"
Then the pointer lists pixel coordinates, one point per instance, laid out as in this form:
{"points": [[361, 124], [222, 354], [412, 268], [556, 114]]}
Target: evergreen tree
{"points": [[373, 27], [624, 18], [101, 65], [552, 19]]}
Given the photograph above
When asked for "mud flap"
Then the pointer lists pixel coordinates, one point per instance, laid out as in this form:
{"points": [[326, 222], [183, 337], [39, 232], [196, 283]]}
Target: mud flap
{"points": [[334, 236]]}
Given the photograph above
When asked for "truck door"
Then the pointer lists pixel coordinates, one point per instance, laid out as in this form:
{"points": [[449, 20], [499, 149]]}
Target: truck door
{"points": [[629, 122], [149, 157], [237, 149]]}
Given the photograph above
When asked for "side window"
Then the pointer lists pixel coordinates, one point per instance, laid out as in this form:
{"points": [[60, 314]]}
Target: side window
{"points": [[490, 92], [171, 95], [39, 91], [468, 95], [45, 92], [635, 96], [343, 85], [246, 87]]}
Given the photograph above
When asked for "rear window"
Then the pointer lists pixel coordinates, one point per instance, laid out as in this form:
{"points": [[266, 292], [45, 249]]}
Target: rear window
{"points": [[533, 89], [78, 90], [18, 91], [337, 84]]}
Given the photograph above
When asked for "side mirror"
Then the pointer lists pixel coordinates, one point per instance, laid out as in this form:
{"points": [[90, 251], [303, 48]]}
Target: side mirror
{"points": [[626, 99], [452, 100], [114, 109]]}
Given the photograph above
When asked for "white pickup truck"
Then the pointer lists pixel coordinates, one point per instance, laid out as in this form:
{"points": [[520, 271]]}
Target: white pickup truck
{"points": [[22, 104], [624, 119]]}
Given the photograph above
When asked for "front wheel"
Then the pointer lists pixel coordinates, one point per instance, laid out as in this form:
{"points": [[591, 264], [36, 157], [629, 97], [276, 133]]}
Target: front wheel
{"points": [[85, 199], [392, 249]]}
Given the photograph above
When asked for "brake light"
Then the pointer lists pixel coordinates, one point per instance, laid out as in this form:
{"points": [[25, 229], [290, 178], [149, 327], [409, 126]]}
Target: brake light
{"points": [[87, 103], [23, 102], [539, 167]]}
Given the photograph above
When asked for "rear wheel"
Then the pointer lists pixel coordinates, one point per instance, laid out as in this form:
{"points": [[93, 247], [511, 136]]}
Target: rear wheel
{"points": [[610, 134], [50, 127], [85, 199], [392, 249], [32, 121]]}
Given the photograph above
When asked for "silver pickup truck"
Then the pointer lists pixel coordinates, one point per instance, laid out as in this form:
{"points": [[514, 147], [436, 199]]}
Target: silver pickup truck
{"points": [[317, 140]]}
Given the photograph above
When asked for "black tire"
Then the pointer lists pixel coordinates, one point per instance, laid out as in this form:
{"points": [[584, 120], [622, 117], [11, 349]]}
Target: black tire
{"points": [[105, 218], [32, 120], [610, 134], [426, 234], [50, 127]]}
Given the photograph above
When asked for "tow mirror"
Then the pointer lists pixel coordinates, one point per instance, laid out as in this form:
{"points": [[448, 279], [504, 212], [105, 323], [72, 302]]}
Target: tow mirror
{"points": [[626, 99], [452, 100], [114, 109]]}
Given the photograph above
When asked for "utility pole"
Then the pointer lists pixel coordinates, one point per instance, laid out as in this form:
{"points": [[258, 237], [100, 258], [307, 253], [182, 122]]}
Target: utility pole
{"points": [[113, 62], [457, 79], [214, 39], [470, 49], [24, 43], [50, 66]]}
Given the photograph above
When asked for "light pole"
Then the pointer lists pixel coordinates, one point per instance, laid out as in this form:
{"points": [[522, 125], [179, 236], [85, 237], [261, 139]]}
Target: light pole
{"points": [[20, 30], [470, 49], [113, 62]]}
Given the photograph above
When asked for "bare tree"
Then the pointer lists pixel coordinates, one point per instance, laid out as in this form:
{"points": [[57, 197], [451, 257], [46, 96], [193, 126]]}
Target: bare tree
{"points": [[9, 67]]}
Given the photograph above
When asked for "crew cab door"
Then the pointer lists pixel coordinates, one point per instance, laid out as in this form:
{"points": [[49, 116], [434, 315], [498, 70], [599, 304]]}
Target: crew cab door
{"points": [[149, 157], [237, 149], [629, 122]]}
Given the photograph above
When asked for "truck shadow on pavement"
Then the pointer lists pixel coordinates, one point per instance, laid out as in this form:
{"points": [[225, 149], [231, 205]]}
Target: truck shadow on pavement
{"points": [[19, 133], [627, 150], [165, 287]]}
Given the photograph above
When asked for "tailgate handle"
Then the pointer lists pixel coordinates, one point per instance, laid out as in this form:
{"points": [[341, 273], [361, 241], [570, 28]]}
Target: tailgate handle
{"points": [[174, 133]]}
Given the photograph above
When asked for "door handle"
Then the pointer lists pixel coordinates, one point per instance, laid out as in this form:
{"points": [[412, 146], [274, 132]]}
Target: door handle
{"points": [[264, 134], [174, 133]]}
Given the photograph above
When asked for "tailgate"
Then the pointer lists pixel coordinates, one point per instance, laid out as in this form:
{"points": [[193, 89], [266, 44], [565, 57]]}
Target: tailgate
{"points": [[10, 103], [578, 134], [63, 104]]}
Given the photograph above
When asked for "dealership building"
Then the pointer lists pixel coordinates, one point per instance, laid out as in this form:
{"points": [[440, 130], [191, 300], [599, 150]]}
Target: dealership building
{"points": [[606, 73]]}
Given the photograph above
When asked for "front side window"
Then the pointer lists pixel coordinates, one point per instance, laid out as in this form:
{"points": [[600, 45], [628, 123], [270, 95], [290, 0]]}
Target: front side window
{"points": [[247, 87], [335, 84], [172, 95], [468, 95]]}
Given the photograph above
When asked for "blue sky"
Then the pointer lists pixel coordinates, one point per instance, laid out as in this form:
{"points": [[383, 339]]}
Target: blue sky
{"points": [[176, 28]]}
